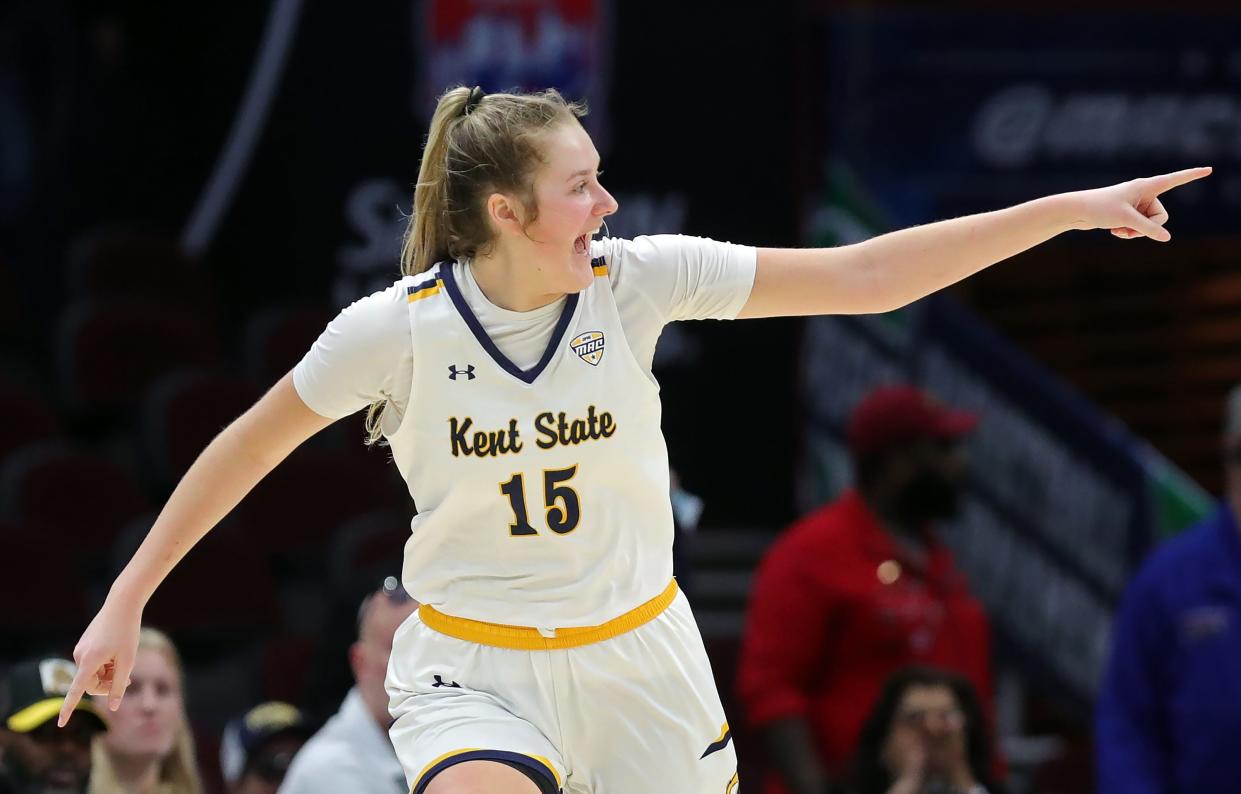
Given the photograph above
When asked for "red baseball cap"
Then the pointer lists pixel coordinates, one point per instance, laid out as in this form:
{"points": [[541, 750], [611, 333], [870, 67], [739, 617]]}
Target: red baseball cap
{"points": [[892, 415]]}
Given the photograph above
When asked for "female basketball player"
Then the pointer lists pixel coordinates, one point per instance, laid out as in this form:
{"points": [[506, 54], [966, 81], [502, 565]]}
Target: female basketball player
{"points": [[510, 371]]}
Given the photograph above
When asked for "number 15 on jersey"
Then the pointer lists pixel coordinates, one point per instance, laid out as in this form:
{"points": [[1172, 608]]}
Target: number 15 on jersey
{"points": [[561, 501]]}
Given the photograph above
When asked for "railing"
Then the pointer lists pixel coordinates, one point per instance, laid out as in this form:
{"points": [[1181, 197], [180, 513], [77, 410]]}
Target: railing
{"points": [[1063, 499]]}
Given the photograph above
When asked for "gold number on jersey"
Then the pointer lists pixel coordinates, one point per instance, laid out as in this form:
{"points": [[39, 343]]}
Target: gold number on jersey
{"points": [[562, 503]]}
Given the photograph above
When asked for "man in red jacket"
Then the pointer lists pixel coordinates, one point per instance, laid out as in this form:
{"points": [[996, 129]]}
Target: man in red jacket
{"points": [[860, 589]]}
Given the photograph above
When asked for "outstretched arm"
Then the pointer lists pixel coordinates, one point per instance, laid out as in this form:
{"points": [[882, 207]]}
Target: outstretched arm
{"points": [[223, 474], [890, 271]]}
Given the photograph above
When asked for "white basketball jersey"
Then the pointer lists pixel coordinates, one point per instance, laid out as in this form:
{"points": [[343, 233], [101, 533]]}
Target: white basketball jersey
{"points": [[542, 493]]}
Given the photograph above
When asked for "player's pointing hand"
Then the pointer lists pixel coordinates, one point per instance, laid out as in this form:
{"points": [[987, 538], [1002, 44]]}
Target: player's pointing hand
{"points": [[1132, 209], [105, 657]]}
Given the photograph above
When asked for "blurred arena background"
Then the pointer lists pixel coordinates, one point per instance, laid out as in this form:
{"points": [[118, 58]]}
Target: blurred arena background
{"points": [[188, 193]]}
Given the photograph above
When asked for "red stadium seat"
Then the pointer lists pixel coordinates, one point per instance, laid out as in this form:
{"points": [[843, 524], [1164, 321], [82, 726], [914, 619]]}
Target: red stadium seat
{"points": [[182, 412], [365, 550], [136, 264], [207, 749], [109, 351], [295, 509], [276, 339], [285, 663], [28, 417], [74, 498], [221, 592], [46, 600]]}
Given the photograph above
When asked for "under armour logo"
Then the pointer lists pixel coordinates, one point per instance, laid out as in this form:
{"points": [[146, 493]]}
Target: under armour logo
{"points": [[440, 682], [468, 372]]}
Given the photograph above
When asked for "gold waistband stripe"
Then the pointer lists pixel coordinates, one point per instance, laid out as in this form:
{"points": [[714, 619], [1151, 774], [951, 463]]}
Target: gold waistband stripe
{"points": [[525, 638]]}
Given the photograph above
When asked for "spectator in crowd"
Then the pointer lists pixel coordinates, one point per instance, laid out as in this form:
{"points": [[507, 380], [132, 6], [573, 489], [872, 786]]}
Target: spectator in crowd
{"points": [[258, 747], [859, 589], [352, 752], [149, 748], [38, 758], [925, 735], [1169, 713]]}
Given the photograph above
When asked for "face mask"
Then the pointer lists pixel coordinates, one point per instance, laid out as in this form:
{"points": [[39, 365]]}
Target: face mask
{"points": [[928, 496]]}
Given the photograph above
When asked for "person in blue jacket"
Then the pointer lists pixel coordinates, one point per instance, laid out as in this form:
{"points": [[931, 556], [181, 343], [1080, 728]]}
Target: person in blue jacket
{"points": [[1168, 718]]}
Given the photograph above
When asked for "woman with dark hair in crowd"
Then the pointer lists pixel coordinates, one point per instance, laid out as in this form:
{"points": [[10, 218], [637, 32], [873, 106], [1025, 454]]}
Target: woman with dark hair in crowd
{"points": [[925, 735]]}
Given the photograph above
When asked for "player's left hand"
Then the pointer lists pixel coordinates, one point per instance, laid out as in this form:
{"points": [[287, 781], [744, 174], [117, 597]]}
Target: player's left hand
{"points": [[1132, 209]]}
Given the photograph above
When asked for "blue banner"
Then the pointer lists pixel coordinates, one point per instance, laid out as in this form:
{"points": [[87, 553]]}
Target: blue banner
{"points": [[945, 113]]}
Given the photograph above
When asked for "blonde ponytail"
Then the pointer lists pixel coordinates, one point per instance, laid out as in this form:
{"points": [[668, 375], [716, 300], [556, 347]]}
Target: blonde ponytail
{"points": [[426, 237]]}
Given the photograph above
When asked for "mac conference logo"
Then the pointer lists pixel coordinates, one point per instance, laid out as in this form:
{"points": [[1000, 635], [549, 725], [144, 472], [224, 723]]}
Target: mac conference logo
{"points": [[588, 346]]}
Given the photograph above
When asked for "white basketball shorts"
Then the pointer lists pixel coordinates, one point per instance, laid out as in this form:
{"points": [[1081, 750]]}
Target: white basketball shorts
{"points": [[633, 713]]}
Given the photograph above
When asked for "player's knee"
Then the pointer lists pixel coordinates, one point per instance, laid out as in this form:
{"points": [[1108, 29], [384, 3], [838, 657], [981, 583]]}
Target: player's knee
{"points": [[481, 777]]}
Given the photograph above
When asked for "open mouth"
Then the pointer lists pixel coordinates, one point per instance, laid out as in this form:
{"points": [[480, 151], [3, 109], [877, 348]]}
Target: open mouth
{"points": [[581, 245]]}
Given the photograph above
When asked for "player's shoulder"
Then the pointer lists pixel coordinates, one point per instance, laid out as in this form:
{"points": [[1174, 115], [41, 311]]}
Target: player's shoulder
{"points": [[606, 252], [379, 320], [383, 299], [381, 307], [420, 286], [644, 246], [628, 260]]}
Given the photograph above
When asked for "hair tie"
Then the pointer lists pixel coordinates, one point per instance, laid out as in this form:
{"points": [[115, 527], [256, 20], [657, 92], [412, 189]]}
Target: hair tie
{"points": [[476, 96]]}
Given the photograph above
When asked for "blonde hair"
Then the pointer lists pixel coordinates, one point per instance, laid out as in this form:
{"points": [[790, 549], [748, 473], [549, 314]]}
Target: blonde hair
{"points": [[476, 145], [178, 771]]}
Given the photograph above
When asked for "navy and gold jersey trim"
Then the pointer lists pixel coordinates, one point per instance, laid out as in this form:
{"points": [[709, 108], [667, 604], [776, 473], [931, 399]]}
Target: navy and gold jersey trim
{"points": [[524, 375], [540, 765], [600, 265], [732, 784], [424, 289], [725, 737]]}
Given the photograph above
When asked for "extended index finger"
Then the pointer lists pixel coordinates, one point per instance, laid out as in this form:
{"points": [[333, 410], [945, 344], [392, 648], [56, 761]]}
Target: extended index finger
{"points": [[76, 690], [1165, 182]]}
